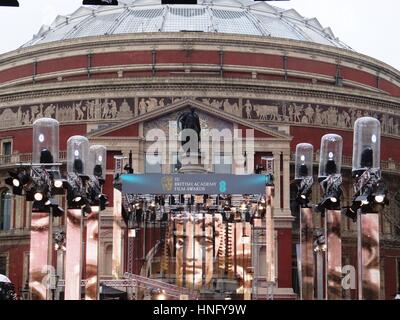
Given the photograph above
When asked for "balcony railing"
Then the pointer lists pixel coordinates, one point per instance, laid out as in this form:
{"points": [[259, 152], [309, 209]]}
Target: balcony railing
{"points": [[13, 159]]}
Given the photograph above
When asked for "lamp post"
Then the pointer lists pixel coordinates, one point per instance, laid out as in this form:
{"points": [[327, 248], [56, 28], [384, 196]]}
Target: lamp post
{"points": [[304, 178], [330, 180]]}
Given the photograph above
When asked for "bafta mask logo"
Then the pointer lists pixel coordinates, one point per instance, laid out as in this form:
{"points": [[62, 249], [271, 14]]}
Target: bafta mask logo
{"points": [[167, 183]]}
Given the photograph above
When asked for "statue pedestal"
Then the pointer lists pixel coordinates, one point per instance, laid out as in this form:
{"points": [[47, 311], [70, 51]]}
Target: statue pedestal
{"points": [[192, 164]]}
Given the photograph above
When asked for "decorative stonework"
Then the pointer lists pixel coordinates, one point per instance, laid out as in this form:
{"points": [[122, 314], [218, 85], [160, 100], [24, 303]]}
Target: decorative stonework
{"points": [[206, 122], [260, 110], [68, 111]]}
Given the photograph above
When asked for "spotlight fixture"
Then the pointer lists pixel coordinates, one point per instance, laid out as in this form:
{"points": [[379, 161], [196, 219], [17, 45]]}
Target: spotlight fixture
{"points": [[18, 179], [38, 196], [303, 195], [102, 200], [46, 156], [87, 209], [380, 193], [331, 199], [351, 212]]}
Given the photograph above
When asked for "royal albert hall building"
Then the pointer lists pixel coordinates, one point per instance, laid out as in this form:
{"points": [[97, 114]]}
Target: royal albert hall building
{"points": [[113, 73]]}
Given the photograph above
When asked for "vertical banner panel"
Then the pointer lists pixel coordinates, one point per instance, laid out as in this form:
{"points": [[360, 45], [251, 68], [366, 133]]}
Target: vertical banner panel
{"points": [[369, 262], [334, 255], [39, 259], [73, 258], [117, 235], [92, 255], [306, 253]]}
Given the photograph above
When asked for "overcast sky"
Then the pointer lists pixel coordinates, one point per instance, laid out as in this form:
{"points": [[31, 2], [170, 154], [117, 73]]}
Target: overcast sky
{"points": [[370, 27]]}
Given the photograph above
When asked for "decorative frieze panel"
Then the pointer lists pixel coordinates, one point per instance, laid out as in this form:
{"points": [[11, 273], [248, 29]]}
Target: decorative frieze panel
{"points": [[68, 111], [260, 110], [303, 113]]}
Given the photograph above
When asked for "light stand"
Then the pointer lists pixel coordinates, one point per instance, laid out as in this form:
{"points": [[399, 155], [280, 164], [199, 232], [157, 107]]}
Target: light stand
{"points": [[331, 181], [303, 176], [97, 202], [78, 206], [368, 201]]}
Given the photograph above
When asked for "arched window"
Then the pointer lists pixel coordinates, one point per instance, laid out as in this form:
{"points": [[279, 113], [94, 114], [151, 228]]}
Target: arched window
{"points": [[5, 209]]}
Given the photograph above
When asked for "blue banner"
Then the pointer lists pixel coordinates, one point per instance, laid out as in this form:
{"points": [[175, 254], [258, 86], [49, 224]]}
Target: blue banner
{"points": [[155, 183]]}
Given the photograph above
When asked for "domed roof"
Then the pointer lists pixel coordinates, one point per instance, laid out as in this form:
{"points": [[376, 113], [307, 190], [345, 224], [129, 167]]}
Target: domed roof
{"points": [[245, 17]]}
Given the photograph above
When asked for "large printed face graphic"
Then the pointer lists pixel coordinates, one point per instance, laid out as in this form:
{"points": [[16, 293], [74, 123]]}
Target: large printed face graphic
{"points": [[197, 240]]}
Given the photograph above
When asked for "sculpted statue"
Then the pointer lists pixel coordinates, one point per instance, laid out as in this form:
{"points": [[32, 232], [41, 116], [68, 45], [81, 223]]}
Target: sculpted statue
{"points": [[190, 120]]}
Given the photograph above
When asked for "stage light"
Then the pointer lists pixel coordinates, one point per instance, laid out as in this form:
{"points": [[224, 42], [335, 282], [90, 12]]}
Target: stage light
{"points": [[304, 194], [350, 212], [58, 183], [380, 192], [102, 201], [9, 3], [38, 196], [87, 209], [46, 156], [331, 199], [19, 179], [57, 211]]}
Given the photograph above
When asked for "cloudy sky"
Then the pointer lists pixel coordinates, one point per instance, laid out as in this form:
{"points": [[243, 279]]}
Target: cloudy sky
{"points": [[368, 26]]}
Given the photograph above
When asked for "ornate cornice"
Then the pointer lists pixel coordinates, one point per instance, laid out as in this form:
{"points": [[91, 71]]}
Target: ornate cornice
{"points": [[191, 86]]}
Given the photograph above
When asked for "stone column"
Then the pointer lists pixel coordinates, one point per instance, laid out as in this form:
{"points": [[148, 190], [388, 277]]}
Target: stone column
{"points": [[277, 179], [286, 181]]}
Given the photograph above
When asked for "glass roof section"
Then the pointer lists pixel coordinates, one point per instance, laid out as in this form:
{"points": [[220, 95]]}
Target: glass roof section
{"points": [[245, 17]]}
